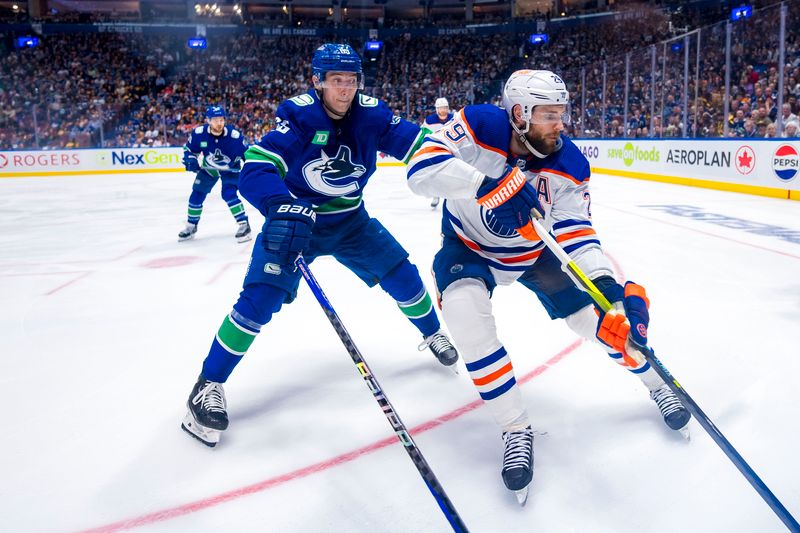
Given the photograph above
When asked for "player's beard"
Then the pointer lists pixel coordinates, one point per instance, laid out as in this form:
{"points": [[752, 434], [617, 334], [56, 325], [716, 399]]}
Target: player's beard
{"points": [[215, 131], [543, 143]]}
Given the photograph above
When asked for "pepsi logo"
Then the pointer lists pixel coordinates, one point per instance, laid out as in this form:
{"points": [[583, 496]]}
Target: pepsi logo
{"points": [[786, 162]]}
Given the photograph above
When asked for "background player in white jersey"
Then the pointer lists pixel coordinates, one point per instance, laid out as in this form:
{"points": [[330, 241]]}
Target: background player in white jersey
{"points": [[494, 166], [215, 152], [435, 122]]}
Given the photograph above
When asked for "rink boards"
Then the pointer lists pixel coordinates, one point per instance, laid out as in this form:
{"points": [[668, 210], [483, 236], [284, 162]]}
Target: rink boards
{"points": [[759, 167]]}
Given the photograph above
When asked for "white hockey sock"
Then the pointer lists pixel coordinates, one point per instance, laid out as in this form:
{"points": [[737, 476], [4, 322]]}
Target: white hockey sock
{"points": [[467, 310]]}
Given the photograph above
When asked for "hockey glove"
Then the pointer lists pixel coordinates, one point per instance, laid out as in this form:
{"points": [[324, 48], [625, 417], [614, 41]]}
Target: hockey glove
{"points": [[511, 200], [190, 162], [287, 230], [628, 319]]}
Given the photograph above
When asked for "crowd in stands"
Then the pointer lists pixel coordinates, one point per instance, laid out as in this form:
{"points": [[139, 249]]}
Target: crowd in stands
{"points": [[134, 90]]}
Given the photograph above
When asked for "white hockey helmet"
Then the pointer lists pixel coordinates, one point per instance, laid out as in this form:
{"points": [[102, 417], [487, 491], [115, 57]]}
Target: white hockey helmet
{"points": [[441, 102], [530, 88]]}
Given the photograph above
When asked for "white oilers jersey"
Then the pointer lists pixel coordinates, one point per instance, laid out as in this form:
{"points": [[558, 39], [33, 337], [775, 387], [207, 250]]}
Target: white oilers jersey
{"points": [[452, 164], [434, 123]]}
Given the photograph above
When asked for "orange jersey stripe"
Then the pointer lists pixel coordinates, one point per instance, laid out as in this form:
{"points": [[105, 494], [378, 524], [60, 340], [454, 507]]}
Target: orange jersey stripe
{"points": [[432, 150], [472, 134], [520, 258], [494, 375], [573, 234], [564, 175], [516, 259]]}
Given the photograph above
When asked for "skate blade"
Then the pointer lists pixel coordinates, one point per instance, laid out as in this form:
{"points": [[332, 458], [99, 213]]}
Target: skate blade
{"points": [[684, 431], [522, 496], [190, 237], [208, 436], [454, 368], [246, 238], [434, 203]]}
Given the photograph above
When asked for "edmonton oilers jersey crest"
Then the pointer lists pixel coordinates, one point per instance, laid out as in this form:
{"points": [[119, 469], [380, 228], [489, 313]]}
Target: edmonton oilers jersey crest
{"points": [[494, 227], [333, 176]]}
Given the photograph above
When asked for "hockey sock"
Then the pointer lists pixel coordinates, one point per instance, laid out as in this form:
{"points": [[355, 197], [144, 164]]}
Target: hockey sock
{"points": [[232, 341], [196, 200], [239, 330], [234, 203], [405, 286], [467, 310]]}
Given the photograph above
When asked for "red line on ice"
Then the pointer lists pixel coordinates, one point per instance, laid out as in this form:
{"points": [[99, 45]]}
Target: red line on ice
{"points": [[199, 505]]}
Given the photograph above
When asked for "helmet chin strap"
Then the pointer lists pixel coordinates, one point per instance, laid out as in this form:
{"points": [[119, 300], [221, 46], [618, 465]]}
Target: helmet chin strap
{"points": [[524, 140]]}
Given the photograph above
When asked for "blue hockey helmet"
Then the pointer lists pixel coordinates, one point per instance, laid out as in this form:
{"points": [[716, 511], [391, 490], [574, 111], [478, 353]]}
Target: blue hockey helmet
{"points": [[335, 57], [213, 111]]}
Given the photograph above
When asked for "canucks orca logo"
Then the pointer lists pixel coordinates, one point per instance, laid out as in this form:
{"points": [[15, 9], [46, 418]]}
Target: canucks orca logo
{"points": [[496, 229], [217, 161], [333, 176]]}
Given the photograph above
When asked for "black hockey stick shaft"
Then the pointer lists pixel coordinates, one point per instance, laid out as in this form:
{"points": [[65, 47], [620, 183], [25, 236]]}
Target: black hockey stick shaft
{"points": [[585, 284], [394, 419]]}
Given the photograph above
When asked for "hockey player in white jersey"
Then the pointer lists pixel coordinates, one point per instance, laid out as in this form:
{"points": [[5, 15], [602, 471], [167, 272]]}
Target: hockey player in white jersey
{"points": [[495, 166]]}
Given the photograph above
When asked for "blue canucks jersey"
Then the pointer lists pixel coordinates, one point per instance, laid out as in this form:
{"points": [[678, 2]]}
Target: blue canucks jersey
{"points": [[323, 161], [221, 154]]}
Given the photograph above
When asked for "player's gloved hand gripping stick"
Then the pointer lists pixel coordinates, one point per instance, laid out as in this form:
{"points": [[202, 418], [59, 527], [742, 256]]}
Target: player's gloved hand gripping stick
{"points": [[639, 350]]}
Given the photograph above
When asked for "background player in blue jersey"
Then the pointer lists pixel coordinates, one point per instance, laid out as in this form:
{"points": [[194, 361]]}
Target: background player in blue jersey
{"points": [[215, 151], [307, 178], [435, 122], [494, 166]]}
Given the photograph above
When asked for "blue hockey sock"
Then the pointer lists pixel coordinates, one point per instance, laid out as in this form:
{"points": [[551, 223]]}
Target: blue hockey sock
{"points": [[406, 287]]}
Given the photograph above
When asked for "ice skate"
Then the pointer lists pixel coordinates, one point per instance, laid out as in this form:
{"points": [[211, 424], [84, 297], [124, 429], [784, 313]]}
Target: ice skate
{"points": [[518, 462], [434, 202], [243, 234], [676, 416], [442, 348], [187, 232], [207, 418]]}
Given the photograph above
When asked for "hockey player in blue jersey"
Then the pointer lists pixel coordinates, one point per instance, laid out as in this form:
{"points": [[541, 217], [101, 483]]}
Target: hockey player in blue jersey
{"points": [[215, 151], [307, 177], [495, 166], [435, 122]]}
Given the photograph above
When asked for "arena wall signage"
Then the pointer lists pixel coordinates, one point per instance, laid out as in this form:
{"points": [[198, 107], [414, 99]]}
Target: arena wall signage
{"points": [[20, 164], [762, 167]]}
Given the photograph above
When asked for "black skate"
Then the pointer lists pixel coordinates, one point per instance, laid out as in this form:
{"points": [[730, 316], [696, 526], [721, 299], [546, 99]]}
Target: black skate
{"points": [[187, 232], [243, 234], [207, 417], [518, 462], [434, 202], [442, 348], [676, 416]]}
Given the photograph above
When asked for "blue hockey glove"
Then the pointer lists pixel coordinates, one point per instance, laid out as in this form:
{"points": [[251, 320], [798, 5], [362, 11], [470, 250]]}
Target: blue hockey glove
{"points": [[511, 199], [190, 162], [628, 319], [287, 230]]}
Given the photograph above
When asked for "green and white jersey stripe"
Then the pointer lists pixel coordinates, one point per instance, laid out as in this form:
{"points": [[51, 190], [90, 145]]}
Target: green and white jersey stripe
{"points": [[417, 143], [257, 154], [340, 205]]}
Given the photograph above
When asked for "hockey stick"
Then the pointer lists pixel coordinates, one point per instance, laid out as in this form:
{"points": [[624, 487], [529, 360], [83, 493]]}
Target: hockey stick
{"points": [[583, 282], [397, 425]]}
